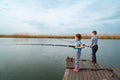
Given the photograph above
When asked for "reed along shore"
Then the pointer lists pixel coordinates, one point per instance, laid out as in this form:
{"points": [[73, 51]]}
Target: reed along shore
{"points": [[59, 36]]}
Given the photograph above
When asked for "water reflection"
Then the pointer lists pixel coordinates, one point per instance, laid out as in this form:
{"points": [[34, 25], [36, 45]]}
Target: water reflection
{"points": [[47, 63]]}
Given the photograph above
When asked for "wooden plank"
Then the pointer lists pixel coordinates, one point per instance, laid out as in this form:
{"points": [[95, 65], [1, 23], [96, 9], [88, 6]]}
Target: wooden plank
{"points": [[102, 76], [81, 64], [118, 70], [89, 73], [66, 74], [70, 75], [69, 63], [73, 75], [79, 75], [97, 72], [84, 75], [112, 74], [116, 73], [83, 71], [107, 74], [94, 72]]}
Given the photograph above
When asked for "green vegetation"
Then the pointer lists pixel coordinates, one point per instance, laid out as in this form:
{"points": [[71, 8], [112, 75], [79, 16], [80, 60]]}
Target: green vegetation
{"points": [[58, 36]]}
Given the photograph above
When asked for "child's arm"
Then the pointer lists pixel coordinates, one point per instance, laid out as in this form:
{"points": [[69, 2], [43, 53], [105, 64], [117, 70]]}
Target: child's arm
{"points": [[81, 46]]}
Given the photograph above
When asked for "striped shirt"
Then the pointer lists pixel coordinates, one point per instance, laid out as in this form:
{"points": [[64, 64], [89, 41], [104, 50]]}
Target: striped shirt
{"points": [[94, 40], [78, 43]]}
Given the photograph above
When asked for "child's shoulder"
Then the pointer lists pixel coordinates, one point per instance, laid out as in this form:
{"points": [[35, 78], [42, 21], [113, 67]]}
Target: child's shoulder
{"points": [[96, 37], [79, 42]]}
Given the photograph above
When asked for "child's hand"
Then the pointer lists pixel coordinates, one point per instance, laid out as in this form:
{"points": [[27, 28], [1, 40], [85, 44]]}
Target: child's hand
{"points": [[82, 46], [89, 46]]}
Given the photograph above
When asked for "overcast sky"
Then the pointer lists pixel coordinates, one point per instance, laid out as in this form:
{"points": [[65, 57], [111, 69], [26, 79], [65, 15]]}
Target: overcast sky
{"points": [[59, 16]]}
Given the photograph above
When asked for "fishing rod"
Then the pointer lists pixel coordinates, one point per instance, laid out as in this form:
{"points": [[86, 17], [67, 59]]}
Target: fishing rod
{"points": [[48, 45], [73, 42], [73, 46]]}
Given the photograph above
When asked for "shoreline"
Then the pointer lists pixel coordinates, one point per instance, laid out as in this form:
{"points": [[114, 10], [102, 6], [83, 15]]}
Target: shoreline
{"points": [[117, 37]]}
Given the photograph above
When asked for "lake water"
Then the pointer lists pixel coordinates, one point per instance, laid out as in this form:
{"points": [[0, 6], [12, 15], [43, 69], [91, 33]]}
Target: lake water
{"points": [[34, 62]]}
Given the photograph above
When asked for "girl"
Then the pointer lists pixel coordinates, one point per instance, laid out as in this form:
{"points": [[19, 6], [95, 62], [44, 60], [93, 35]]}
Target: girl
{"points": [[79, 46]]}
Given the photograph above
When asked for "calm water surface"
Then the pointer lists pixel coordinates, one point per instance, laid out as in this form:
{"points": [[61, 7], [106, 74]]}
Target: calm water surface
{"points": [[28, 62]]}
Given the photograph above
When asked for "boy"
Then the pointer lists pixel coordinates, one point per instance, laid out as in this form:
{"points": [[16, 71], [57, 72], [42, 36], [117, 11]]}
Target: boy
{"points": [[94, 46]]}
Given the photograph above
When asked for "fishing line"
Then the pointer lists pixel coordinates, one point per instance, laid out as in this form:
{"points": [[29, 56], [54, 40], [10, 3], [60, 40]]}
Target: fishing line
{"points": [[66, 41]]}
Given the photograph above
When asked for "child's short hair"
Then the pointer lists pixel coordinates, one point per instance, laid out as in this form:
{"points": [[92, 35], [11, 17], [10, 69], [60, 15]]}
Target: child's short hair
{"points": [[94, 32], [78, 36]]}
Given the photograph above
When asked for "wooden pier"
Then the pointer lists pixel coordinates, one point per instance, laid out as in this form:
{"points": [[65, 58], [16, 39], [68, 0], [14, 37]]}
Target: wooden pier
{"points": [[89, 71]]}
